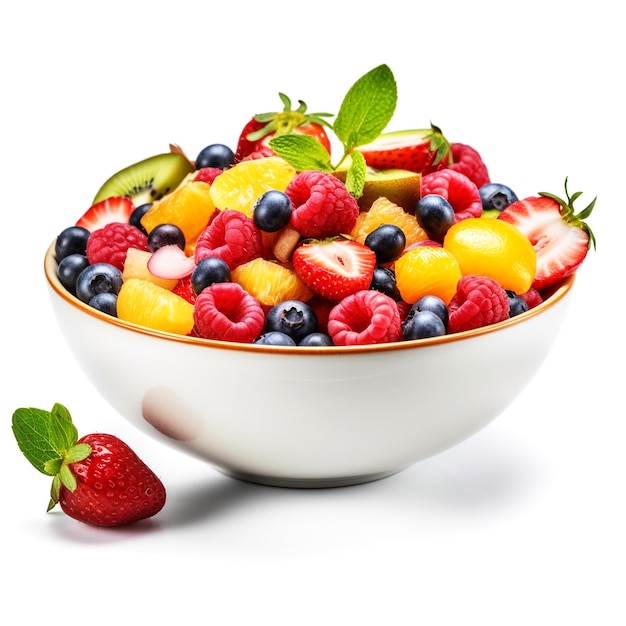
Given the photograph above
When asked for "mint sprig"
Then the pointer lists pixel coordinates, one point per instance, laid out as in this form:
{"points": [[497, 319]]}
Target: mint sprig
{"points": [[365, 111], [48, 439]]}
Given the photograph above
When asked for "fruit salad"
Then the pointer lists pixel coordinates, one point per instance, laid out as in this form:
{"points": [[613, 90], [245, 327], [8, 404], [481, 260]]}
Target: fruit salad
{"points": [[291, 239]]}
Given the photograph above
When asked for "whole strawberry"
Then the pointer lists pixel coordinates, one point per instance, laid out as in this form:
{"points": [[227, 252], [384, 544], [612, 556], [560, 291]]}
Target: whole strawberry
{"points": [[97, 479]]}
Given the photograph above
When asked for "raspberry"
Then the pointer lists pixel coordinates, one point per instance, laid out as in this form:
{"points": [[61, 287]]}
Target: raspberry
{"points": [[532, 297], [207, 174], [365, 317], [468, 161], [110, 243], [322, 206], [457, 189], [231, 236], [227, 312], [479, 301]]}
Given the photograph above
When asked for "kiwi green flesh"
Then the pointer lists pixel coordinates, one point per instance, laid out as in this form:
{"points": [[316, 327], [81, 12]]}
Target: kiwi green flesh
{"points": [[148, 180]]}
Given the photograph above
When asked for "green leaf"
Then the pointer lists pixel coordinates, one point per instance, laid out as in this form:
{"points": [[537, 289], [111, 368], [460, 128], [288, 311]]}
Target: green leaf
{"points": [[367, 108], [302, 152], [355, 177]]}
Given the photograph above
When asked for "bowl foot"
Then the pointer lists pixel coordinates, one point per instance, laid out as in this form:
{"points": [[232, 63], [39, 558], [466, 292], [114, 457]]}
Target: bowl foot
{"points": [[310, 483]]}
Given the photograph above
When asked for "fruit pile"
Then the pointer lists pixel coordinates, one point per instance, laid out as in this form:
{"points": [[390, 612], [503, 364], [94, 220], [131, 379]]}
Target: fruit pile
{"points": [[403, 237]]}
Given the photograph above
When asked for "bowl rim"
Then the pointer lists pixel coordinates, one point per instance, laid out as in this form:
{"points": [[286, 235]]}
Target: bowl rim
{"points": [[556, 294]]}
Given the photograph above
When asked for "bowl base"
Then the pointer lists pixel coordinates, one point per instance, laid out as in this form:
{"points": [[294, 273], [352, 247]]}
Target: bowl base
{"points": [[310, 483]]}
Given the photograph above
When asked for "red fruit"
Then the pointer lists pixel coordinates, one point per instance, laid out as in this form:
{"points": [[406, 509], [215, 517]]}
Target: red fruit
{"points": [[97, 479], [532, 297], [457, 189], [322, 206], [468, 161], [225, 311], [256, 134], [423, 150], [334, 268], [231, 236], [365, 317], [113, 209], [110, 243], [478, 301], [560, 237], [207, 174], [184, 289]]}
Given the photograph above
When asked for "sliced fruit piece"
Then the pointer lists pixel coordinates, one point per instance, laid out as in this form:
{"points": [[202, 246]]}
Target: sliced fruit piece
{"points": [[148, 180], [170, 261], [494, 249], [385, 211], [190, 207], [136, 266], [240, 186], [114, 209], [399, 186], [146, 304], [561, 238], [334, 268], [427, 271], [421, 150], [270, 283]]}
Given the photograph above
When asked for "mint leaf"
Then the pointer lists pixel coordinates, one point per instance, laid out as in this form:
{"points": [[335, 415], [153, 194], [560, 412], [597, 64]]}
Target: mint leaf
{"points": [[302, 152], [367, 108], [355, 177]]}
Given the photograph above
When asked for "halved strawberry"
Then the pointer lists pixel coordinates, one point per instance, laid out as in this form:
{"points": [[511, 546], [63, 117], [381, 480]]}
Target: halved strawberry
{"points": [[334, 268], [560, 237], [256, 134], [423, 150], [113, 209]]}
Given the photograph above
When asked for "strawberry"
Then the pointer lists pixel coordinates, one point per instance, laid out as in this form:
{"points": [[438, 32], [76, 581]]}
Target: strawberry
{"points": [[424, 150], [97, 479], [113, 209], [560, 237], [256, 134], [334, 268]]}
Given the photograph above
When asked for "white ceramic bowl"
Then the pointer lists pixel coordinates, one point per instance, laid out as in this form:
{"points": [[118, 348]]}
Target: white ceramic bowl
{"points": [[314, 417]]}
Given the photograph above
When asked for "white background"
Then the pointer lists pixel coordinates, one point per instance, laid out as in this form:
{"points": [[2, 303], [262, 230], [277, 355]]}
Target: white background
{"points": [[521, 524]]}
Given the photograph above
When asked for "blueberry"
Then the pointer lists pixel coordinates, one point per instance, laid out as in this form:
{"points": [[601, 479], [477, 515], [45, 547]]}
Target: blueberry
{"points": [[316, 340], [292, 317], [166, 235], [384, 280], [435, 215], [69, 269], [496, 197], [137, 214], [98, 278], [105, 302], [72, 240], [275, 338], [387, 241], [272, 211], [434, 304], [215, 155], [209, 270], [517, 304], [422, 325]]}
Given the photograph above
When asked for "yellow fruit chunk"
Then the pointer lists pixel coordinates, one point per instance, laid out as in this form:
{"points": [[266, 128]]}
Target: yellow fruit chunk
{"points": [[189, 207], [427, 270], [269, 282], [493, 248], [146, 304], [136, 266], [240, 186], [383, 211]]}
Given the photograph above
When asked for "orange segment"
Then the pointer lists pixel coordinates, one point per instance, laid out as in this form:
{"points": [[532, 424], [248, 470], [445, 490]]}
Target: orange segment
{"points": [[493, 248], [189, 207], [239, 186], [383, 211], [269, 282], [146, 304], [427, 270]]}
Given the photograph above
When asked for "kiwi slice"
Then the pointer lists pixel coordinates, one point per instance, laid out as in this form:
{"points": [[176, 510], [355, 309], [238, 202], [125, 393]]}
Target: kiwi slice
{"points": [[147, 180]]}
